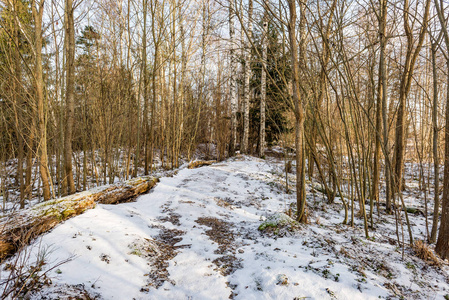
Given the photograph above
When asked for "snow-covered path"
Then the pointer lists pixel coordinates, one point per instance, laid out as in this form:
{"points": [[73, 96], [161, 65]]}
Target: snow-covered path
{"points": [[195, 236]]}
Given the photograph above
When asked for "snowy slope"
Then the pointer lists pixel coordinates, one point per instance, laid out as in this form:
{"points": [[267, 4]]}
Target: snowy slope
{"points": [[195, 236]]}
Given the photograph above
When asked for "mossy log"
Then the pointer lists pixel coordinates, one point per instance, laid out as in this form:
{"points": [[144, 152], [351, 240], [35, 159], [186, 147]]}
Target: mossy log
{"points": [[415, 210], [17, 229], [200, 163]]}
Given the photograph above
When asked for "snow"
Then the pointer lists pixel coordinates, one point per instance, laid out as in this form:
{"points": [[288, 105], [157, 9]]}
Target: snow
{"points": [[195, 236]]}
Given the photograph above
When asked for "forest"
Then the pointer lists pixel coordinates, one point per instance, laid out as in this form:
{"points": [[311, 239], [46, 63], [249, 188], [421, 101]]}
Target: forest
{"points": [[339, 109]]}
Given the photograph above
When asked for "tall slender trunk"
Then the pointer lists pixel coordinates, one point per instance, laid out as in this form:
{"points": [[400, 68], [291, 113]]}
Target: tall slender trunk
{"points": [[146, 123], [263, 86], [37, 11], [174, 114], [18, 107], [299, 114], [436, 161], [377, 150], [233, 82], [442, 245], [383, 82], [154, 85], [247, 82], [70, 95]]}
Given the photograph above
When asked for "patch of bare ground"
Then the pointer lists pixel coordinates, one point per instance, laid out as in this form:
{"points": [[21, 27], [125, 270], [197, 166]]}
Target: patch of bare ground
{"points": [[172, 218], [186, 201], [225, 203], [220, 232], [68, 292], [159, 252]]}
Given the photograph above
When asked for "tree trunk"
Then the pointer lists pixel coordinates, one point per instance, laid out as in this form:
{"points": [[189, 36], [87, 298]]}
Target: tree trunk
{"points": [[247, 82], [442, 246], [406, 81], [145, 91], [18, 109], [70, 95], [263, 87], [40, 97], [380, 98], [436, 161], [233, 82], [299, 115], [383, 80]]}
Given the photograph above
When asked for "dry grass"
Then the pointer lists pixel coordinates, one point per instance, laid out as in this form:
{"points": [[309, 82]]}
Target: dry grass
{"points": [[24, 275], [423, 251]]}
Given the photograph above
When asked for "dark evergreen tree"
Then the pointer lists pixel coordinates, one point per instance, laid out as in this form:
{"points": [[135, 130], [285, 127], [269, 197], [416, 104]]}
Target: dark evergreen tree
{"points": [[278, 79]]}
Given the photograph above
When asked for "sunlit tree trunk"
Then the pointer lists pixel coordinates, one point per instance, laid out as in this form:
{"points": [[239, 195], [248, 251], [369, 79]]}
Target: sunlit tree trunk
{"points": [[70, 96], [37, 11], [233, 81], [247, 82], [299, 114]]}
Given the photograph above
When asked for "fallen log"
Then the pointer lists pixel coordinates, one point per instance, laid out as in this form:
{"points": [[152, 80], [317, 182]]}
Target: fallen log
{"points": [[17, 229], [200, 163]]}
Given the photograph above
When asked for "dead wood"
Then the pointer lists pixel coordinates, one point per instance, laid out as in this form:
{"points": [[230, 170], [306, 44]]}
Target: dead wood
{"points": [[200, 163], [17, 229]]}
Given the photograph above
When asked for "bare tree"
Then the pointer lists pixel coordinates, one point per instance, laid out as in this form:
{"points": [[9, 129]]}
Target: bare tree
{"points": [[70, 96], [37, 8], [247, 78], [442, 245], [233, 81], [299, 111], [263, 85]]}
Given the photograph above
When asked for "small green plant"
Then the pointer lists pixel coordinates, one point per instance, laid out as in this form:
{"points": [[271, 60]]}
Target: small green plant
{"points": [[136, 252], [410, 266], [361, 280]]}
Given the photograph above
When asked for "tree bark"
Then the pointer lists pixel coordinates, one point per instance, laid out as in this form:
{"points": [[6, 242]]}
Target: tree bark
{"points": [[380, 98], [233, 82], [247, 82], [263, 87], [299, 115], [383, 79], [18, 107], [436, 161], [70, 96], [442, 246], [37, 11], [406, 81], [145, 91]]}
